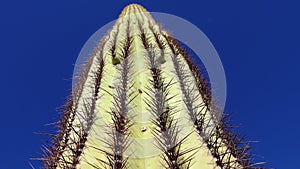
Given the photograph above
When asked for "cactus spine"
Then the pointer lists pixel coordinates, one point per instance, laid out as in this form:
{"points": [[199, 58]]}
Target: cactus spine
{"points": [[141, 102]]}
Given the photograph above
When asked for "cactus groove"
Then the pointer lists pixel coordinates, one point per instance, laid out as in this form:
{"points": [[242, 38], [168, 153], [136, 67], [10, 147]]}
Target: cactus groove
{"points": [[141, 102]]}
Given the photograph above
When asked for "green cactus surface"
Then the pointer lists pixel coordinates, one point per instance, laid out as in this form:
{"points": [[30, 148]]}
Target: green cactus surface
{"points": [[141, 102]]}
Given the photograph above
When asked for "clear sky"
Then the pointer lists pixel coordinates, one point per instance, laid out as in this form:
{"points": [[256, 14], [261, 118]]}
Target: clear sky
{"points": [[257, 40]]}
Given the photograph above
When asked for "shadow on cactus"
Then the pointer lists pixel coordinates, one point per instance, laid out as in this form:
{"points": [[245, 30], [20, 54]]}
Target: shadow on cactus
{"points": [[142, 102]]}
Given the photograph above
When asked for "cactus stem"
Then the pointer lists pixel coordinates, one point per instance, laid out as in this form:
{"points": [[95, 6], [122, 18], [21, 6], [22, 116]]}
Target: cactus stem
{"points": [[142, 102]]}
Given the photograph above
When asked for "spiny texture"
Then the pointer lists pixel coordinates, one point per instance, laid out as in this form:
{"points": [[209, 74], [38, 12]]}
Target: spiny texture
{"points": [[141, 102]]}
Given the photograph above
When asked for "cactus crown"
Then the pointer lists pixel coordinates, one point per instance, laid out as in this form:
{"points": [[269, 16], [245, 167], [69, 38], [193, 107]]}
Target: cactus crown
{"points": [[141, 102]]}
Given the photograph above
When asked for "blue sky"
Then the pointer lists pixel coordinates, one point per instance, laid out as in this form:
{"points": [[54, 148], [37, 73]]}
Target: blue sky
{"points": [[257, 40]]}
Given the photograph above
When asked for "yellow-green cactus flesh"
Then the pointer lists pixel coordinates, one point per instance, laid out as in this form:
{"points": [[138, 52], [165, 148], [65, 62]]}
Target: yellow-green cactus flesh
{"points": [[141, 103]]}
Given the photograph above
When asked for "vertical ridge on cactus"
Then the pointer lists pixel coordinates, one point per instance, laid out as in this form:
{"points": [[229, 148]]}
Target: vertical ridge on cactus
{"points": [[141, 102]]}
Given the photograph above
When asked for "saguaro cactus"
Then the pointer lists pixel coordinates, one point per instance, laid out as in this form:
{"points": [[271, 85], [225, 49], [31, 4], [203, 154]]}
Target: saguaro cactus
{"points": [[141, 102]]}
